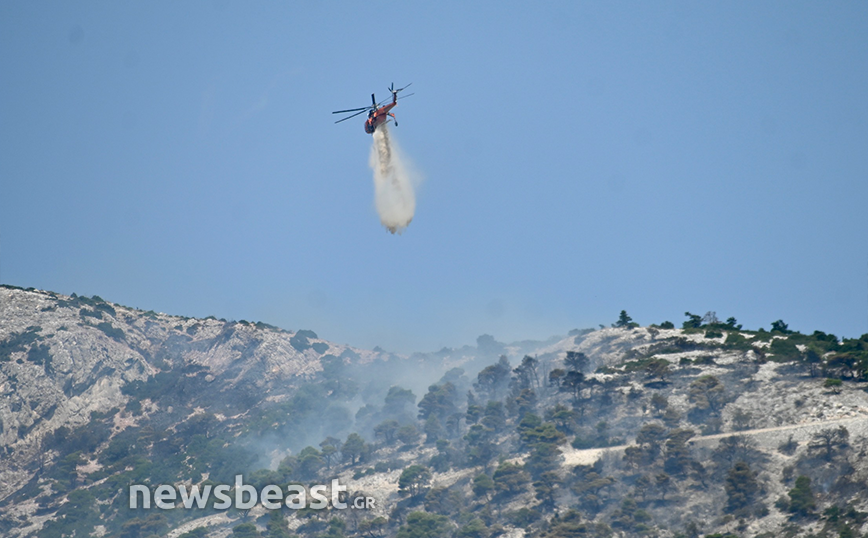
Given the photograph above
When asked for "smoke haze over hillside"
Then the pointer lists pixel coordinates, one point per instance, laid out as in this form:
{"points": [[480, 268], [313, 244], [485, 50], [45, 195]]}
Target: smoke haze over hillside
{"points": [[97, 395]]}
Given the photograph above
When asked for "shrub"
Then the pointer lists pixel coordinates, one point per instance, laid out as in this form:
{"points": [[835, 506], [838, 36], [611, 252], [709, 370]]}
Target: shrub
{"points": [[711, 333], [832, 382], [783, 350], [18, 342], [112, 331], [300, 340]]}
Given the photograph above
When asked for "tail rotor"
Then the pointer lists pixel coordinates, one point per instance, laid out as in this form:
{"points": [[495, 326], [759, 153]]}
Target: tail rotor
{"points": [[394, 91]]}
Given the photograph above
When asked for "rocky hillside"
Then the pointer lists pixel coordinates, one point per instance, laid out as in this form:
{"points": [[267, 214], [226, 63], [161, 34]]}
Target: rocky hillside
{"points": [[704, 430], [63, 359]]}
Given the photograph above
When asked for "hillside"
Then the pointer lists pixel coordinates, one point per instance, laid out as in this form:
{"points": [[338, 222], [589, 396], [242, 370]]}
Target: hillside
{"points": [[705, 430], [65, 359]]}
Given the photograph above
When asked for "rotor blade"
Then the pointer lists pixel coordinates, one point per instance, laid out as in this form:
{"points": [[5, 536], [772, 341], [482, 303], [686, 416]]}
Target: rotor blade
{"points": [[388, 99], [404, 88], [352, 116], [350, 110]]}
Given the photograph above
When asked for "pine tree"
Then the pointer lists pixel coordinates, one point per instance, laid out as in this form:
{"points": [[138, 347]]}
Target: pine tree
{"points": [[741, 487], [802, 497], [624, 320]]}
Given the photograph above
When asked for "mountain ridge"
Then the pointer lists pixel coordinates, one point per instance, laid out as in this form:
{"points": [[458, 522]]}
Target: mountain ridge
{"points": [[571, 432]]}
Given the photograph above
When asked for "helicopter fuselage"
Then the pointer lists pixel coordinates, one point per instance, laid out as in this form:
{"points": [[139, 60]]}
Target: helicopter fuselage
{"points": [[378, 117]]}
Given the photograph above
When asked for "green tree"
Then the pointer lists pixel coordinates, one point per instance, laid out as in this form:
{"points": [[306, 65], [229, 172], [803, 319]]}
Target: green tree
{"points": [[442, 461], [424, 525], [483, 485], [657, 368], [563, 418], [741, 488], [439, 401], [624, 321], [780, 326], [590, 486], [443, 500], [732, 449], [556, 376], [543, 457], [475, 528], [642, 485], [153, 524], [523, 517], [337, 529], [659, 403], [707, 393], [630, 518], [813, 358], [413, 480], [308, 463], [526, 373], [245, 530], [545, 433], [374, 528], [663, 482], [693, 321], [834, 384], [677, 455], [802, 497], [671, 417], [741, 419], [576, 361], [633, 456], [480, 448], [510, 479], [433, 430], [650, 438], [353, 448], [525, 402], [199, 532], [474, 410], [573, 383], [408, 435], [399, 402], [570, 525], [545, 488], [65, 470], [277, 526], [387, 430], [492, 380], [330, 447], [494, 417]]}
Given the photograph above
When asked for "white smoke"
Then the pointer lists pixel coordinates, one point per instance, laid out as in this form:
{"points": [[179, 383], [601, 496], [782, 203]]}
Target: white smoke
{"points": [[393, 182]]}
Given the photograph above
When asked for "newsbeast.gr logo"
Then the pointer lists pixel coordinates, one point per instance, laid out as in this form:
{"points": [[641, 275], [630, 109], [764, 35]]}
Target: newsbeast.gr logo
{"points": [[272, 497]]}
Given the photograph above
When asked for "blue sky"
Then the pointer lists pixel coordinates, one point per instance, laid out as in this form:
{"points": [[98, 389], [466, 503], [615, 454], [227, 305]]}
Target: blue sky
{"points": [[579, 159]]}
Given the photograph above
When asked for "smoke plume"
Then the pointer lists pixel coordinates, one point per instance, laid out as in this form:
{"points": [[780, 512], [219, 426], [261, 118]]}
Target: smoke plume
{"points": [[393, 182]]}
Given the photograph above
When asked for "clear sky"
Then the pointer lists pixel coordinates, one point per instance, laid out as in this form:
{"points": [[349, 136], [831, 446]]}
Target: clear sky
{"points": [[579, 158]]}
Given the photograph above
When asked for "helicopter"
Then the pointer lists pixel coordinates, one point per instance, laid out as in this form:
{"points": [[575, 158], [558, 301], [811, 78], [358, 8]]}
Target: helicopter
{"points": [[378, 113]]}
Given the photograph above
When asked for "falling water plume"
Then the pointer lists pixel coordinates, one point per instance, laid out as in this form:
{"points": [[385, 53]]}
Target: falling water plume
{"points": [[393, 182]]}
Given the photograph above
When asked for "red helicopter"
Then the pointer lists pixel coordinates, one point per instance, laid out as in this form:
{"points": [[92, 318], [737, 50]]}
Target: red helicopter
{"points": [[378, 113]]}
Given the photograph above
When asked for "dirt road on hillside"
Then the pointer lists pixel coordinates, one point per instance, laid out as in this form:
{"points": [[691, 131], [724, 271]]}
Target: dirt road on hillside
{"points": [[800, 432]]}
